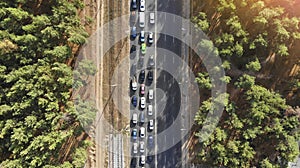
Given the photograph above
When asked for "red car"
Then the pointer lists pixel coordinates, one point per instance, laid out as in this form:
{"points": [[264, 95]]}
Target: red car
{"points": [[142, 89]]}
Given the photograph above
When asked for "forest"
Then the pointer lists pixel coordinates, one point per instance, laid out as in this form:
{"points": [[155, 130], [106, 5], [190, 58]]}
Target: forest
{"points": [[38, 122], [258, 42]]}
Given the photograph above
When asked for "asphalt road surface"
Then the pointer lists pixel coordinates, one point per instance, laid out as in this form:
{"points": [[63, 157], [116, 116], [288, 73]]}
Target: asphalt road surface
{"points": [[167, 102], [140, 62], [172, 153]]}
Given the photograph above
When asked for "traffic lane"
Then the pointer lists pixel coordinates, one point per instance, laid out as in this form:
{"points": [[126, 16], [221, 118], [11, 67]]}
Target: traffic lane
{"points": [[135, 57], [168, 25], [148, 85], [170, 6], [170, 158], [145, 125], [150, 5], [142, 63], [139, 62], [169, 43], [165, 117], [133, 18]]}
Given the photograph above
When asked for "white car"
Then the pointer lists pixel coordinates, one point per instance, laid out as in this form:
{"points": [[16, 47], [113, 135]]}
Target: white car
{"points": [[142, 132], [142, 36], [143, 102], [134, 118], [142, 147], [142, 5], [152, 18], [151, 94], [151, 125], [134, 84], [135, 146], [150, 38], [150, 110], [143, 159]]}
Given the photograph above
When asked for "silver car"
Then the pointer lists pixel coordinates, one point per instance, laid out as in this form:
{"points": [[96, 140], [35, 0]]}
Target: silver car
{"points": [[152, 18], [151, 125], [142, 36], [150, 38], [150, 110], [142, 147], [135, 148], [151, 94], [134, 84], [143, 159], [134, 118]]}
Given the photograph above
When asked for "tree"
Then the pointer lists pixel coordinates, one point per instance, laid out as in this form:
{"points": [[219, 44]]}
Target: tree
{"points": [[254, 39], [35, 83], [254, 66], [248, 139]]}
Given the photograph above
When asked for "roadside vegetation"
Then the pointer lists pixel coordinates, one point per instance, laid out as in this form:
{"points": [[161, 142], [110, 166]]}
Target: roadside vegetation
{"points": [[38, 121], [259, 43]]}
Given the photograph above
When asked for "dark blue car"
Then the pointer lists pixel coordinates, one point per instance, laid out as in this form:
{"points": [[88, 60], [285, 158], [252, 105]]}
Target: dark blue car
{"points": [[134, 5], [150, 75], [134, 101], [142, 76], [134, 134], [150, 141]]}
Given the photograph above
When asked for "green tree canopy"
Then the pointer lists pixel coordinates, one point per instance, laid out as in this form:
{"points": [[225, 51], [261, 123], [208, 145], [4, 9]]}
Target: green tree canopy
{"points": [[36, 41]]}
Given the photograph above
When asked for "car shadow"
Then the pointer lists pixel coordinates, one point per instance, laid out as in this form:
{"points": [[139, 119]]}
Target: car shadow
{"points": [[133, 162]]}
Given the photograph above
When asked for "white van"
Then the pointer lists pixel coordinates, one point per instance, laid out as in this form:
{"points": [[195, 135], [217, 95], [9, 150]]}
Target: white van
{"points": [[142, 19]]}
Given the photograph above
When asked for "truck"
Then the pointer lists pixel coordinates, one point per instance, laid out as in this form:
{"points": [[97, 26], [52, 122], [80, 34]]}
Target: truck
{"points": [[142, 19]]}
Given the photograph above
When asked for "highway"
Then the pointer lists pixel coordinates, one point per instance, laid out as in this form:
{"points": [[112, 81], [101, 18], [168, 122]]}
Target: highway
{"points": [[169, 150]]}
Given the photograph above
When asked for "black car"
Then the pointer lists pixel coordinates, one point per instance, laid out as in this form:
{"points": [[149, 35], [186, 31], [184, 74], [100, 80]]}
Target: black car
{"points": [[133, 162], [150, 75], [132, 49], [150, 158], [133, 4], [142, 75]]}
